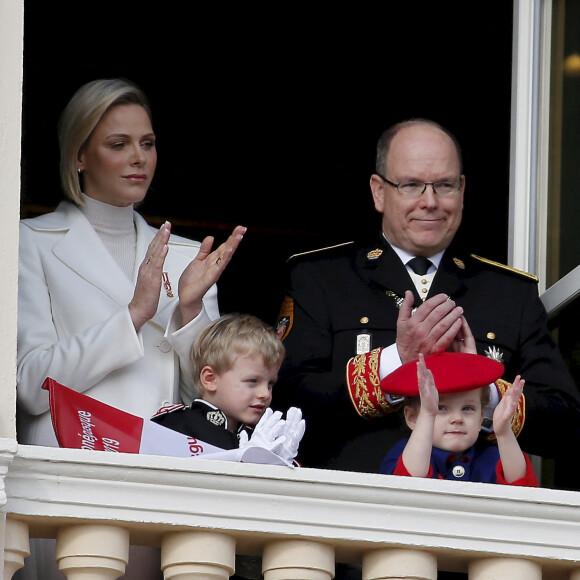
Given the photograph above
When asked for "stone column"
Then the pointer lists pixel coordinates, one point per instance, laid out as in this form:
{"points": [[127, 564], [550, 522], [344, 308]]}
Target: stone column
{"points": [[298, 559], [504, 568], [198, 556], [401, 564], [92, 551], [16, 546]]}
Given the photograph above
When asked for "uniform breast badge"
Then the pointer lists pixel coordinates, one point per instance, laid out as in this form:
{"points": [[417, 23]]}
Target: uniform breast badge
{"points": [[494, 353], [363, 343], [363, 339], [398, 300]]}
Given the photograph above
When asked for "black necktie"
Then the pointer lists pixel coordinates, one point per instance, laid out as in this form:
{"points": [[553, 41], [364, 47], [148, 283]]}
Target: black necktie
{"points": [[419, 265]]}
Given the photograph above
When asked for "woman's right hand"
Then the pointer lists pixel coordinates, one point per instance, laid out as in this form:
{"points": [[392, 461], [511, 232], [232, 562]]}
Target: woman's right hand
{"points": [[204, 271], [145, 300]]}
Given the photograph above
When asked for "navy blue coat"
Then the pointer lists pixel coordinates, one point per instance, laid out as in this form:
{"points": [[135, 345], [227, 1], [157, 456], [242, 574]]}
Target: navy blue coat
{"points": [[474, 464]]}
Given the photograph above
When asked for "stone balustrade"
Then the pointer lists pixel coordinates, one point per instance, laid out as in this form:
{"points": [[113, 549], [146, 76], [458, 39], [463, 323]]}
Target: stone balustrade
{"points": [[299, 521]]}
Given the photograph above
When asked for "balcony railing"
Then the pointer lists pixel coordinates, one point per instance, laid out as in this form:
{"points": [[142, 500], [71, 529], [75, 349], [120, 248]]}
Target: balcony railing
{"points": [[300, 521]]}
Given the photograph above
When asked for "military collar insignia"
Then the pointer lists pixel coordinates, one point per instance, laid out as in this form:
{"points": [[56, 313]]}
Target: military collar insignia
{"points": [[212, 413], [374, 254], [216, 417]]}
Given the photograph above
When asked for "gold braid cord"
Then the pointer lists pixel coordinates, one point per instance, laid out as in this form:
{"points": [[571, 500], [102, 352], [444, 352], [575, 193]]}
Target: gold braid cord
{"points": [[364, 386], [520, 414]]}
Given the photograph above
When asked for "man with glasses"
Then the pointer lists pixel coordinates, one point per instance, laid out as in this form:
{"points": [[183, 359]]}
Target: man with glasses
{"points": [[355, 312]]}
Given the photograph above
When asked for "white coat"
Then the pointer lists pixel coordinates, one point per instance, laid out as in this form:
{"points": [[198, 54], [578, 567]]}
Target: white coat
{"points": [[74, 323]]}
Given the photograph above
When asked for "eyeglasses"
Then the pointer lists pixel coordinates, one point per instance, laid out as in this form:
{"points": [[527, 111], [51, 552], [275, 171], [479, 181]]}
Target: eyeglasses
{"points": [[417, 188]]}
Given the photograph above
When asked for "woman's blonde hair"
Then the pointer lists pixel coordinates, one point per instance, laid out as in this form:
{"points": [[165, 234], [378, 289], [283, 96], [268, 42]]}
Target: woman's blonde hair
{"points": [[232, 335], [79, 119]]}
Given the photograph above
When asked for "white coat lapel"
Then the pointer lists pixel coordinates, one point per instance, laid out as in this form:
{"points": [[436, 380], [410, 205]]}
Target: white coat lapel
{"points": [[82, 251]]}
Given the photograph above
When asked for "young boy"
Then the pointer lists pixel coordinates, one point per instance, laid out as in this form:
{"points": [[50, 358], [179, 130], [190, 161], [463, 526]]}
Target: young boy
{"points": [[235, 362], [445, 421]]}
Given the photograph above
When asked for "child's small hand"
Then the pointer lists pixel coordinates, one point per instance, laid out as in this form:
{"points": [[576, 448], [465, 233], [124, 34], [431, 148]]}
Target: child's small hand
{"points": [[427, 390], [504, 412]]}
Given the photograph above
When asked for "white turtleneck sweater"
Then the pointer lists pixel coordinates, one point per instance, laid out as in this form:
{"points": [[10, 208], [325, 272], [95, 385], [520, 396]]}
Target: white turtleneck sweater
{"points": [[116, 229]]}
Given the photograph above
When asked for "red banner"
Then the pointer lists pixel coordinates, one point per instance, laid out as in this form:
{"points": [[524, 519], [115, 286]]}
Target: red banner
{"points": [[81, 422]]}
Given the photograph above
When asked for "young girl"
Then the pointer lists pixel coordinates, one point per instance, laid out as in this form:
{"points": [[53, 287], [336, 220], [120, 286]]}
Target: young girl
{"points": [[445, 421]]}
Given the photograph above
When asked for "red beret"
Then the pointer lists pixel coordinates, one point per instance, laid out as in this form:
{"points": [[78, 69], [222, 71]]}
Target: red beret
{"points": [[452, 371]]}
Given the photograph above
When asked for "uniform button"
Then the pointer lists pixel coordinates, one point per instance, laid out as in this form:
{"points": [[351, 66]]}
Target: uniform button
{"points": [[459, 471], [164, 346], [491, 335], [423, 281], [364, 320], [424, 290]]}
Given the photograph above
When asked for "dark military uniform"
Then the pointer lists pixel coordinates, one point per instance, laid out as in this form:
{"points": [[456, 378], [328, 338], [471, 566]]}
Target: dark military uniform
{"points": [[201, 421], [346, 296]]}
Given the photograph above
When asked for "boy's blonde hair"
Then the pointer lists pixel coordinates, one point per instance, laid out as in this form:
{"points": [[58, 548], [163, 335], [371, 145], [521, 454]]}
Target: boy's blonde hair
{"points": [[222, 341]]}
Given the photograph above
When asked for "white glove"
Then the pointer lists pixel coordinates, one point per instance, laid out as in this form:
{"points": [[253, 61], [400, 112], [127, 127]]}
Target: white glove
{"points": [[267, 433], [293, 432]]}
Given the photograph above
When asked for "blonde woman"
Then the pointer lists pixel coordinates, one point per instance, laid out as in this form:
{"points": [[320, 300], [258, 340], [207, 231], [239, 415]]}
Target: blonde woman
{"points": [[108, 305]]}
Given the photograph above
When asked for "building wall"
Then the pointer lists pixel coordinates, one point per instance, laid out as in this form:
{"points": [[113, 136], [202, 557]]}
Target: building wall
{"points": [[11, 45]]}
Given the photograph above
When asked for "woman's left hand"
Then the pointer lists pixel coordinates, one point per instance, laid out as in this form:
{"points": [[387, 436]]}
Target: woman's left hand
{"points": [[204, 271]]}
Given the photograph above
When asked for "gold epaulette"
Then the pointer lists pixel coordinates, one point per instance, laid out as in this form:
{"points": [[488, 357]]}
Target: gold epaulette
{"points": [[320, 250], [504, 267]]}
